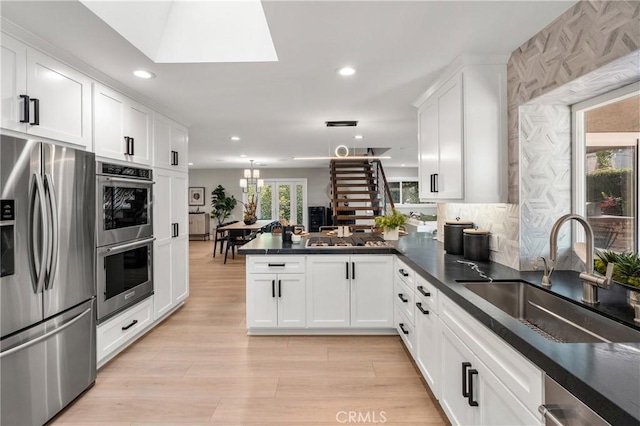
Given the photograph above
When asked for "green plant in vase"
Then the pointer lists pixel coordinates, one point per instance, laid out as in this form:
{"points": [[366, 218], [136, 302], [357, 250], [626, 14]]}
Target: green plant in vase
{"points": [[626, 269], [221, 204], [391, 224]]}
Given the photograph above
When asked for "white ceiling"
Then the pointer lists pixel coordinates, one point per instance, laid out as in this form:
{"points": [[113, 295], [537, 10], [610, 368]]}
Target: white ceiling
{"points": [[279, 108]]}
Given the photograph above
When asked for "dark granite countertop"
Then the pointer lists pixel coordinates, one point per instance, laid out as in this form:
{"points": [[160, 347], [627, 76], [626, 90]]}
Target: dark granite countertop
{"points": [[605, 376]]}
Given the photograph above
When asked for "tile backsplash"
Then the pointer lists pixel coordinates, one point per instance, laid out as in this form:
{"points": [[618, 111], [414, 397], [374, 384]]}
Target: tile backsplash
{"points": [[501, 219]]}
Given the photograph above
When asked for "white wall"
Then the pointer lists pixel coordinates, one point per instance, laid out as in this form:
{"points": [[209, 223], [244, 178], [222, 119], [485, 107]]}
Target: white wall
{"points": [[317, 181]]}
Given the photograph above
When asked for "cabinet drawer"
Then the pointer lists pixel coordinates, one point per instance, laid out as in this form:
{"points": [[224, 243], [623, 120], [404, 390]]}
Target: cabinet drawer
{"points": [[517, 373], [275, 264], [407, 331], [123, 328], [405, 273], [427, 294], [405, 300]]}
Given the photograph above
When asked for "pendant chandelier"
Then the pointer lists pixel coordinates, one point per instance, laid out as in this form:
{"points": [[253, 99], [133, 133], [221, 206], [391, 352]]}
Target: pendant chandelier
{"points": [[251, 178]]}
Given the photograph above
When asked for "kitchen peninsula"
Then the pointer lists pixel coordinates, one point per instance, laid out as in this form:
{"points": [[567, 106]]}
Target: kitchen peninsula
{"points": [[415, 289]]}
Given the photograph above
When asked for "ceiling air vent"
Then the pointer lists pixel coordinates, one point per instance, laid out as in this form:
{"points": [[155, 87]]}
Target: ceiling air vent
{"points": [[341, 123]]}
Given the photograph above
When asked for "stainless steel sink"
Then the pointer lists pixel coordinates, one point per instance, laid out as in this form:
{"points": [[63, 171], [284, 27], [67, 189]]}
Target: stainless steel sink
{"points": [[551, 316]]}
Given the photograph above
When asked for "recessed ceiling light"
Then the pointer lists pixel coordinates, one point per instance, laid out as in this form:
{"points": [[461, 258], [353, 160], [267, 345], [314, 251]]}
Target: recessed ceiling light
{"points": [[190, 164], [235, 138], [243, 156], [144, 74], [401, 165], [346, 71], [358, 137]]}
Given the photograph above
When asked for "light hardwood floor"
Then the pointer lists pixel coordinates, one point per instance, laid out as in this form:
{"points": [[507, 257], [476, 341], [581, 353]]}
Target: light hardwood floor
{"points": [[200, 367]]}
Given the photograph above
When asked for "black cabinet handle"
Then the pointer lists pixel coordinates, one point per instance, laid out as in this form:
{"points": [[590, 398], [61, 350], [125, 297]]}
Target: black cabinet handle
{"points": [[25, 109], [472, 372], [279, 265], [176, 158], [465, 389], [175, 230], [347, 265], [273, 288], [424, 293], [431, 184], [36, 112], [127, 145], [401, 325], [279, 288], [435, 183], [402, 298], [353, 270], [403, 272], [133, 144], [419, 306], [126, 327]]}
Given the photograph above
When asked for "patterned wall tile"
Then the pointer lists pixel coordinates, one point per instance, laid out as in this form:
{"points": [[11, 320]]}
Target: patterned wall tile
{"points": [[501, 219], [588, 36]]}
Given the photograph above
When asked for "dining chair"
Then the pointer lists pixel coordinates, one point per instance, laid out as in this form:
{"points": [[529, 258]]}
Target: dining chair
{"points": [[220, 236], [236, 238]]}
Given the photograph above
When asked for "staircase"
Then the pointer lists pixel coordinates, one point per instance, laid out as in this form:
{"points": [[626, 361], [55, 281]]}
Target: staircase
{"points": [[357, 192]]}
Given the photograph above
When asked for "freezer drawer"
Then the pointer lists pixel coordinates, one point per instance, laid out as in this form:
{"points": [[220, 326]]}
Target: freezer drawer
{"points": [[47, 366]]}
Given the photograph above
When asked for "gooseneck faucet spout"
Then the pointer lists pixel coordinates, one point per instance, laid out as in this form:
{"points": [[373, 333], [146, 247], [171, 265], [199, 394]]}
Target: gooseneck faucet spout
{"points": [[590, 281]]}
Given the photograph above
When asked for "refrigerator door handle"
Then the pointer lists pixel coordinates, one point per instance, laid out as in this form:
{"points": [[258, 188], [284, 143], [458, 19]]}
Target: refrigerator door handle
{"points": [[55, 230], [37, 276], [44, 336]]}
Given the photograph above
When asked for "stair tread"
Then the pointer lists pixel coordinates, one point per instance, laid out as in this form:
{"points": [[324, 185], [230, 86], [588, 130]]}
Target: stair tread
{"points": [[356, 192], [357, 200], [346, 208], [354, 185], [352, 172], [354, 217]]}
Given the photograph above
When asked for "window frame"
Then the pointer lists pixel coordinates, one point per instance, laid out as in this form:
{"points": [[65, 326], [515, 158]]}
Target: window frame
{"points": [[407, 179], [579, 151]]}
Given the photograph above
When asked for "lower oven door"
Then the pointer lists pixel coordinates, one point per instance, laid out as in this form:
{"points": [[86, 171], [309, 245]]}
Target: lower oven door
{"points": [[125, 275]]}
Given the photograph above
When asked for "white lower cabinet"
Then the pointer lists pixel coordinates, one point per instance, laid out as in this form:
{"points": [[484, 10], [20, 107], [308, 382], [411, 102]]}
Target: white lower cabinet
{"points": [[276, 300], [471, 394], [350, 291], [477, 377], [427, 345], [328, 291], [123, 329]]}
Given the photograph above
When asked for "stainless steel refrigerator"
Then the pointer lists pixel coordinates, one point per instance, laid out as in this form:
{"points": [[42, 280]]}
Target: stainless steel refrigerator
{"points": [[47, 280]]}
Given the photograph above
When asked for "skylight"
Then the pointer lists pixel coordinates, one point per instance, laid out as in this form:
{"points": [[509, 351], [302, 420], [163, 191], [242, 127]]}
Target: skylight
{"points": [[191, 31]]}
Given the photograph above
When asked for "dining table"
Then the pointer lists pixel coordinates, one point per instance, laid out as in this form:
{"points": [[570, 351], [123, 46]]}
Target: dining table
{"points": [[257, 225]]}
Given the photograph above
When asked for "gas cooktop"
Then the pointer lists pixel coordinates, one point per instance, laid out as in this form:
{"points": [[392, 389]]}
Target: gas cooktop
{"points": [[365, 240]]}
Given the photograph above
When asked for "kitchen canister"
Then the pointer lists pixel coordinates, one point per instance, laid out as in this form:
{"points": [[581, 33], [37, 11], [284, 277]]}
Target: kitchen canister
{"points": [[476, 244], [453, 243]]}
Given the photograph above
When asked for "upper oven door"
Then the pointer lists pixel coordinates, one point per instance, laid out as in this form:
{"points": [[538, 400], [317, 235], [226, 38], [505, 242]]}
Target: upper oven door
{"points": [[124, 207]]}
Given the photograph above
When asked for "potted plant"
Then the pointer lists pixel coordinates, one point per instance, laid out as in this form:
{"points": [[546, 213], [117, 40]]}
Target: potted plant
{"points": [[626, 273], [391, 224], [250, 210], [222, 205]]}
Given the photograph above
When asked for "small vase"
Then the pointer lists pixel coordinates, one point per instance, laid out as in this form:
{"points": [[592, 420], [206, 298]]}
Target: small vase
{"points": [[250, 221], [391, 234]]}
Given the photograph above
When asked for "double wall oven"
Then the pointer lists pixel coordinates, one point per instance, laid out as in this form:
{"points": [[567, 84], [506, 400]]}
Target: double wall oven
{"points": [[125, 237]]}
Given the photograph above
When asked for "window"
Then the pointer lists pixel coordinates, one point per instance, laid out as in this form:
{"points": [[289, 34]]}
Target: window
{"points": [[606, 133], [281, 199], [405, 191]]}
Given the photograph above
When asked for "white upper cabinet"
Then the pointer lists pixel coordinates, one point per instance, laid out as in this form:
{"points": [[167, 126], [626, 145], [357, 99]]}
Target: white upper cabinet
{"points": [[462, 133], [43, 97], [171, 143], [122, 127]]}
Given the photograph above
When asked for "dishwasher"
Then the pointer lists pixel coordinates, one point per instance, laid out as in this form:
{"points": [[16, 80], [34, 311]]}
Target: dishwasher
{"points": [[562, 408]]}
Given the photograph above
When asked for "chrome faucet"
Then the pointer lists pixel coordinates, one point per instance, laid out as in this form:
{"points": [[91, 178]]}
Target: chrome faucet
{"points": [[590, 280]]}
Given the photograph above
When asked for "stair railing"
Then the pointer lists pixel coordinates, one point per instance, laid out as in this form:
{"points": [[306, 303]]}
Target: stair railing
{"points": [[383, 187]]}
